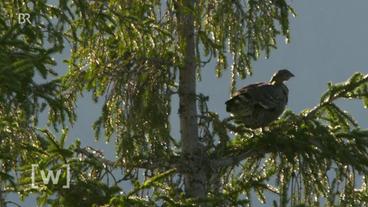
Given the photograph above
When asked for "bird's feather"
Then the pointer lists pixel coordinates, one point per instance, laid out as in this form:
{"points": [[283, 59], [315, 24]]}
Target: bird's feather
{"points": [[258, 104]]}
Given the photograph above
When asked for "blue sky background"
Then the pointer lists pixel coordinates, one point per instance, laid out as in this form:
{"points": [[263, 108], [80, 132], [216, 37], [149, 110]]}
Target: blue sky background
{"points": [[329, 42]]}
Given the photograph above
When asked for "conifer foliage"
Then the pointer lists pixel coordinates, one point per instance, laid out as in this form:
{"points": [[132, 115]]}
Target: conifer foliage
{"points": [[136, 57]]}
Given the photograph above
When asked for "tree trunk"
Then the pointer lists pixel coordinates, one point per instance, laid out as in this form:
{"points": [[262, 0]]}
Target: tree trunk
{"points": [[194, 175]]}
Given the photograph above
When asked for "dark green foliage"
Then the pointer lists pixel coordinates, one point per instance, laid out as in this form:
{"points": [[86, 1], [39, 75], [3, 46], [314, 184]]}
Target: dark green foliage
{"points": [[24, 55], [88, 169], [128, 54]]}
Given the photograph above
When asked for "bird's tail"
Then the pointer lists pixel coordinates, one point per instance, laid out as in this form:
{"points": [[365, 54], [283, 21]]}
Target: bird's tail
{"points": [[239, 105]]}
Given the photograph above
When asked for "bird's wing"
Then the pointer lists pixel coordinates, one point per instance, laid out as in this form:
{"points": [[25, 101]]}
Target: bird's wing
{"points": [[250, 87], [243, 101], [266, 95]]}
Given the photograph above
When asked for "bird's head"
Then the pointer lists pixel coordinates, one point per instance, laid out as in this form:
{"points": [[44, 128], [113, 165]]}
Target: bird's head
{"points": [[281, 76]]}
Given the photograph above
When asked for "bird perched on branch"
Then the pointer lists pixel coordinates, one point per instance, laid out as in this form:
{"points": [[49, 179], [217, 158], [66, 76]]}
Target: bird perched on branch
{"points": [[259, 104]]}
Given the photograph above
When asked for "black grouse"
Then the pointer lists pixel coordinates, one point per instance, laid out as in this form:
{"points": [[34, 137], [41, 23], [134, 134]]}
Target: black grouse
{"points": [[259, 104]]}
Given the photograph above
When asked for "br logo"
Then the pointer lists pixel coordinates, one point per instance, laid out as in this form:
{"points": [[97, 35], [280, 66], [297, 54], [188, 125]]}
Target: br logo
{"points": [[50, 175], [24, 18]]}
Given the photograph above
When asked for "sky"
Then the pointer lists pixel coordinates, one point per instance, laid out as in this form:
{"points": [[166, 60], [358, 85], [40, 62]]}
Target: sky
{"points": [[329, 41]]}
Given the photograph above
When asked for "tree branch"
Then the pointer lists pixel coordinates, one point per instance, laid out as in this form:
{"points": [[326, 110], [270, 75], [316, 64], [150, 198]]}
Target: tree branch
{"points": [[234, 159], [350, 87]]}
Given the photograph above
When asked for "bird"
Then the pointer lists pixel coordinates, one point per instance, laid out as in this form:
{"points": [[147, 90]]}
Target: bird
{"points": [[259, 104]]}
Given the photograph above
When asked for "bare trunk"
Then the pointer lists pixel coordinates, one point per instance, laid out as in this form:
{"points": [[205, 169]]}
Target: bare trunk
{"points": [[194, 176]]}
